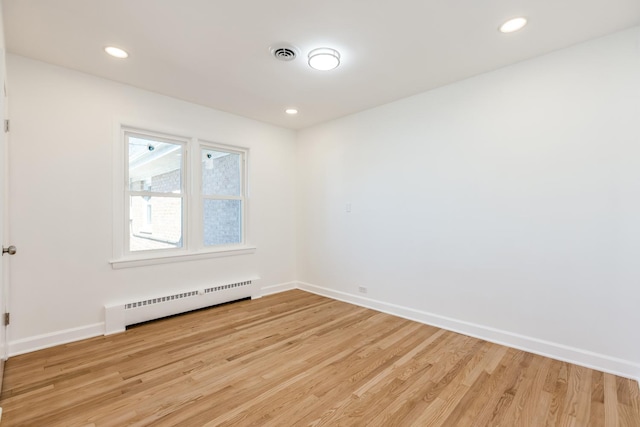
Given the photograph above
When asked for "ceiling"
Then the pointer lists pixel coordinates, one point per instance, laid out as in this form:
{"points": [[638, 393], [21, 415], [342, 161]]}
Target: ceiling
{"points": [[217, 53]]}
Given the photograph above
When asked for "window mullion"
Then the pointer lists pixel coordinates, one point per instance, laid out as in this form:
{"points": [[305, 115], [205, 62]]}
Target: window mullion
{"points": [[193, 171], [185, 188]]}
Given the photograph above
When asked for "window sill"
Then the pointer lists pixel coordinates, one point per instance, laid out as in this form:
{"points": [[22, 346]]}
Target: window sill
{"points": [[140, 261]]}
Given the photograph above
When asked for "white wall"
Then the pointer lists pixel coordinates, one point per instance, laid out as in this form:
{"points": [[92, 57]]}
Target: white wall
{"points": [[61, 197], [505, 206]]}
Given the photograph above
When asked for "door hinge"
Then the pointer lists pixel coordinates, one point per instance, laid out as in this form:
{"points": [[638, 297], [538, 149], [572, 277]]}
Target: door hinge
{"points": [[6, 125], [7, 319]]}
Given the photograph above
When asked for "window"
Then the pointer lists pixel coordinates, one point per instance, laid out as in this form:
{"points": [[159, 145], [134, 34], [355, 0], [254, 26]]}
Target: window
{"points": [[222, 198], [182, 197], [155, 192]]}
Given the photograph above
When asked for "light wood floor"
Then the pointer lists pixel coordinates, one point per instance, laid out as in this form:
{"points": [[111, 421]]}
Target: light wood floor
{"points": [[300, 359]]}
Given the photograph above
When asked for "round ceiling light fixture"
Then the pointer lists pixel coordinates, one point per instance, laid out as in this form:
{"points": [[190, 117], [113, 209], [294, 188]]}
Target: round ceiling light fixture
{"points": [[512, 25], [324, 59], [291, 111], [116, 52]]}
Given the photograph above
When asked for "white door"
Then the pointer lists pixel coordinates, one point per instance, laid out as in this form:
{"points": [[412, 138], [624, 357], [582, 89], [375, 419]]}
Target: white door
{"points": [[3, 218]]}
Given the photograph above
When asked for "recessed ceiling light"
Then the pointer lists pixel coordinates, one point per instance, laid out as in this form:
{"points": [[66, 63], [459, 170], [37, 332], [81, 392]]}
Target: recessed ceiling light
{"points": [[324, 59], [291, 111], [116, 52], [512, 25]]}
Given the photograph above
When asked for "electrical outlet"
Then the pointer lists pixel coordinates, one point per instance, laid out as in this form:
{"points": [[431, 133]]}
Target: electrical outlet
{"points": [[362, 289]]}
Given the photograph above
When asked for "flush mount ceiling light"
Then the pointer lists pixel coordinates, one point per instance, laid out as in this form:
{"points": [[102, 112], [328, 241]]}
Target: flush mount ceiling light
{"points": [[324, 59], [116, 52], [512, 25], [291, 111]]}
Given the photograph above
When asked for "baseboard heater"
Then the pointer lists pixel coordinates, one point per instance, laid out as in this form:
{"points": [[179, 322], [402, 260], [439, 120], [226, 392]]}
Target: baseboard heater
{"points": [[119, 316]]}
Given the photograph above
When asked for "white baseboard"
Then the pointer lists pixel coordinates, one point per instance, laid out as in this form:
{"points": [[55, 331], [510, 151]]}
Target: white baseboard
{"points": [[282, 287], [588, 359], [39, 342]]}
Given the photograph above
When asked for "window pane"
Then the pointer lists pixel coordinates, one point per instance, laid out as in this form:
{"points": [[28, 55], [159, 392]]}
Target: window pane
{"points": [[155, 223], [222, 222], [220, 173], [154, 165]]}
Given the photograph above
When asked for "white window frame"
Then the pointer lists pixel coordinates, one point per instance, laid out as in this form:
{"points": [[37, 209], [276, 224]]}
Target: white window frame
{"points": [[183, 195], [193, 247], [205, 145]]}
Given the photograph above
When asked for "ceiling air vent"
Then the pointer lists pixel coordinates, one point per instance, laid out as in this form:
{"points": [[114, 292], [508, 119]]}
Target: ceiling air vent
{"points": [[284, 53]]}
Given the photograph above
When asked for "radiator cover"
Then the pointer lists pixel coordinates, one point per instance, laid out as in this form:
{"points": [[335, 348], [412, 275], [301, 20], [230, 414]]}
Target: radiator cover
{"points": [[119, 316]]}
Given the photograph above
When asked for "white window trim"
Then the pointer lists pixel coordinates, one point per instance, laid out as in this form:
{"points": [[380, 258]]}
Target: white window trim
{"points": [[193, 246], [184, 193], [201, 197]]}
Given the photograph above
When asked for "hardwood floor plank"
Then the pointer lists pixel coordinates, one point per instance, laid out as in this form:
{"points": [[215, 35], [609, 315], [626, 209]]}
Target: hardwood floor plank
{"points": [[583, 401], [296, 358], [558, 394], [611, 415]]}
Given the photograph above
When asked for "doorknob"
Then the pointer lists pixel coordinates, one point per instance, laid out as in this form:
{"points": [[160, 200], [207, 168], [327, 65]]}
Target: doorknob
{"points": [[11, 250]]}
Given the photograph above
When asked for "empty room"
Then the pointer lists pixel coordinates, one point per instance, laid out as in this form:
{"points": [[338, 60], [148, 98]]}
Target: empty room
{"points": [[338, 213]]}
